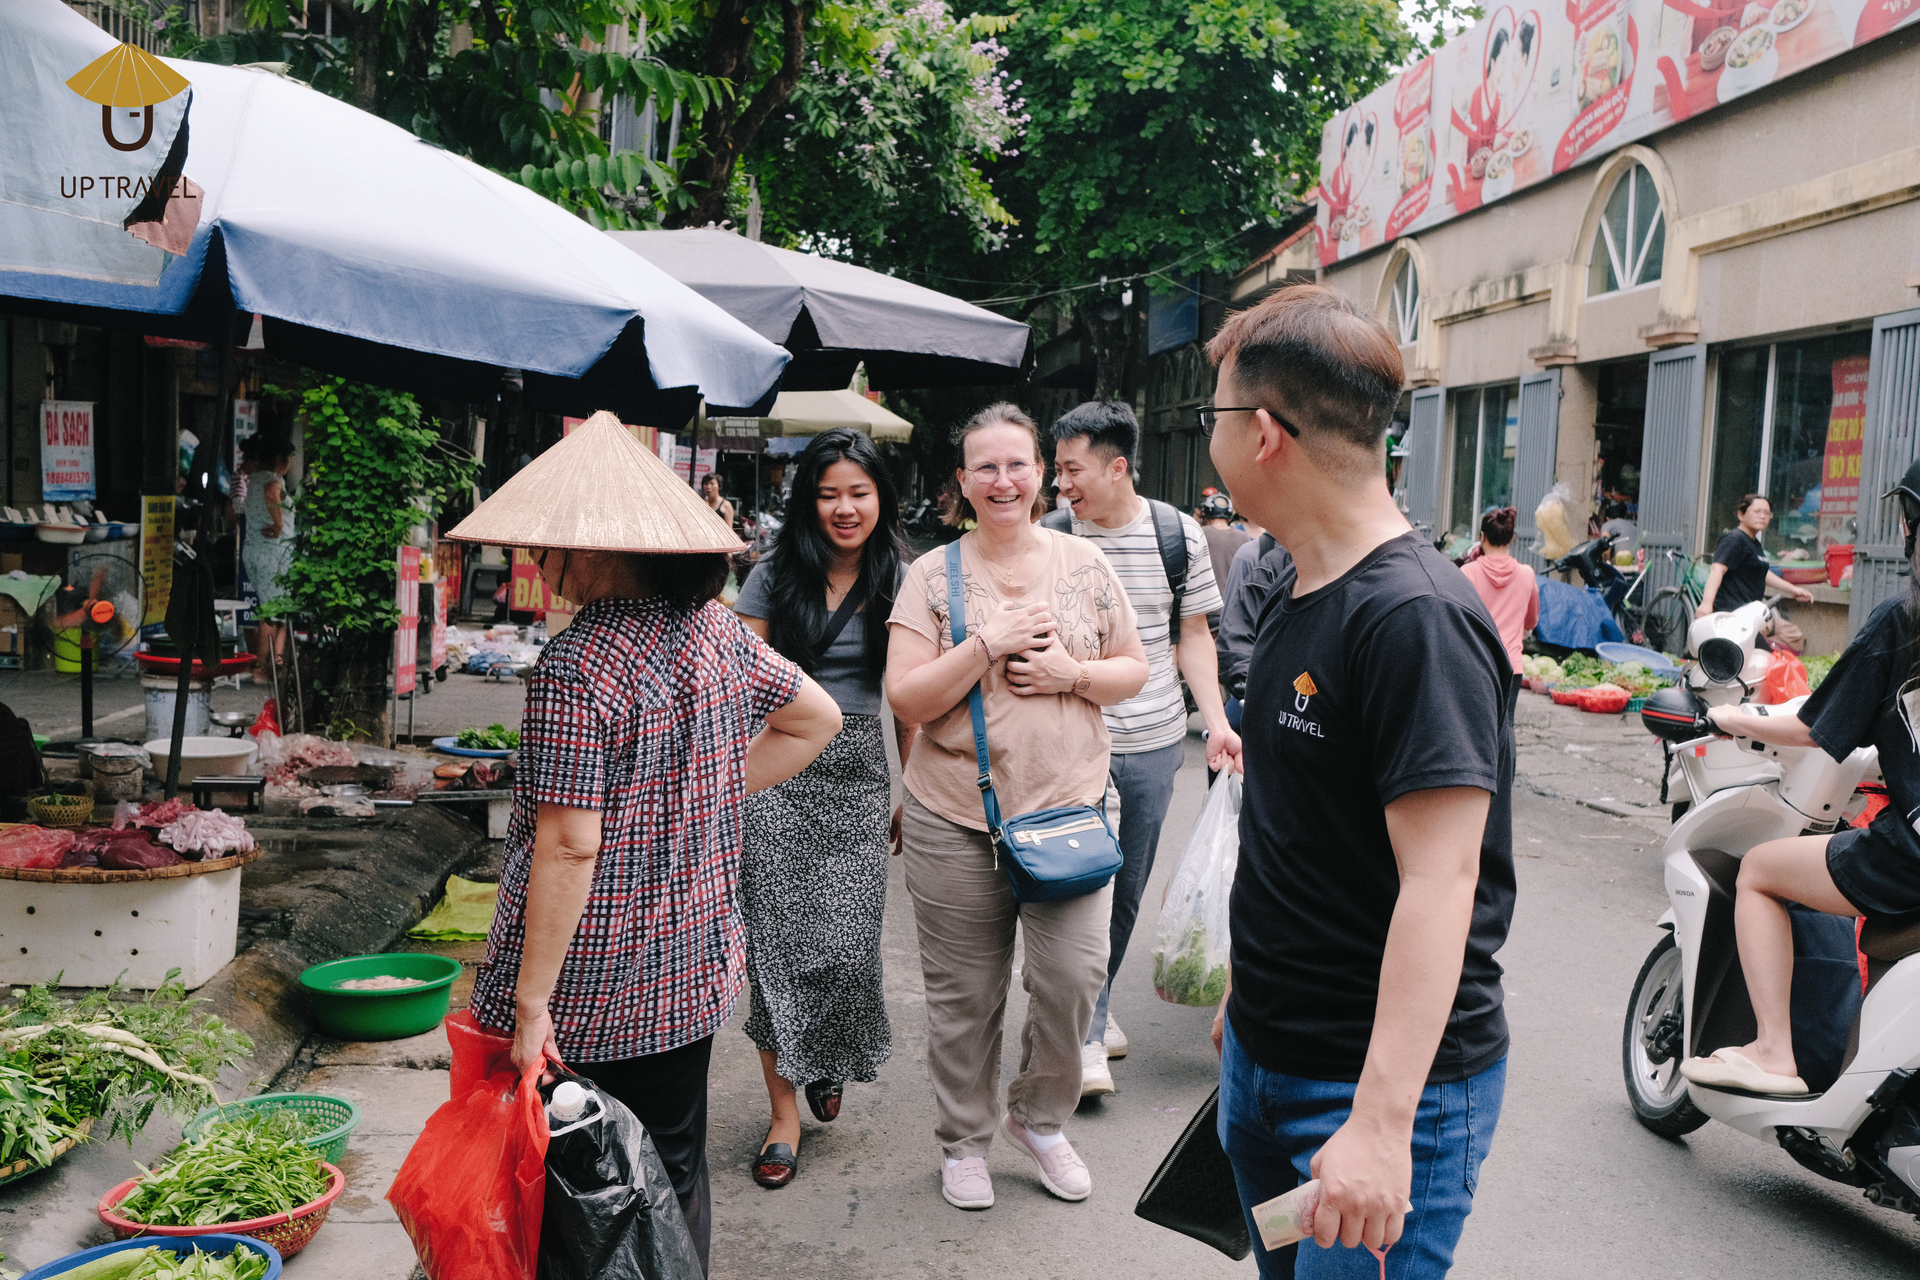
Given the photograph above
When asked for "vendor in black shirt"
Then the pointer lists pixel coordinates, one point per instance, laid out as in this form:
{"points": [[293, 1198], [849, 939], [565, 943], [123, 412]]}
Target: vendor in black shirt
{"points": [[1363, 1037], [1865, 701], [1740, 573]]}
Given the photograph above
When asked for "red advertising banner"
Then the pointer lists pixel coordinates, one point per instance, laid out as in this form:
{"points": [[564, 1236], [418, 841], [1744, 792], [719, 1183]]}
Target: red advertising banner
{"points": [[1840, 467], [406, 642], [530, 593], [1530, 92]]}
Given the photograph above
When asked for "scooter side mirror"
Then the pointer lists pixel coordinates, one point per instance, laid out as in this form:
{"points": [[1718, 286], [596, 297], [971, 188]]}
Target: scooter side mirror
{"points": [[1722, 660]]}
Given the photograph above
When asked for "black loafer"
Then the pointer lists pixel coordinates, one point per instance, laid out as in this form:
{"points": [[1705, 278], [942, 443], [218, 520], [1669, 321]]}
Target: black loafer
{"points": [[774, 1168], [823, 1097]]}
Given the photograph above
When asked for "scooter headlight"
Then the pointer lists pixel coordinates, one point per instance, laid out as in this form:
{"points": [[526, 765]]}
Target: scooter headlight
{"points": [[1722, 660]]}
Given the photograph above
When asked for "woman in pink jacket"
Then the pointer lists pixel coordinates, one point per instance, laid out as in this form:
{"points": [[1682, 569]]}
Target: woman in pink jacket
{"points": [[1509, 588]]}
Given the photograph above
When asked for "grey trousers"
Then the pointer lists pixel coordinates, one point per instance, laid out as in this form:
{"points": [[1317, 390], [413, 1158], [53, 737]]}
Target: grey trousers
{"points": [[966, 915], [1144, 782]]}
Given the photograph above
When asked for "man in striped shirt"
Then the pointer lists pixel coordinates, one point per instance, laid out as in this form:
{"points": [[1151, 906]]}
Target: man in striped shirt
{"points": [[1093, 451]]}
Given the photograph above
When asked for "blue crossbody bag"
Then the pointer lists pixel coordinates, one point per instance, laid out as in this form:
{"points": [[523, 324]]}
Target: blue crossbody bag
{"points": [[1048, 854]]}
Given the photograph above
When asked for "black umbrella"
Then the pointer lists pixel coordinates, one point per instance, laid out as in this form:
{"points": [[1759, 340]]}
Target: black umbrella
{"points": [[834, 315]]}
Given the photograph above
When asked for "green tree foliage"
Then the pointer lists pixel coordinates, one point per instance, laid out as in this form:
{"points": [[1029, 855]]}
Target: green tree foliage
{"points": [[883, 153], [373, 470], [516, 85]]}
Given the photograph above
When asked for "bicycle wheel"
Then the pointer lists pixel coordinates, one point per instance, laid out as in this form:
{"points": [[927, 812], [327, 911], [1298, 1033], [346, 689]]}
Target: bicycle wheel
{"points": [[1663, 625]]}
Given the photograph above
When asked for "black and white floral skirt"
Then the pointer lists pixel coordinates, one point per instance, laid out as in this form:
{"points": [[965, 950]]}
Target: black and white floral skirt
{"points": [[813, 883]]}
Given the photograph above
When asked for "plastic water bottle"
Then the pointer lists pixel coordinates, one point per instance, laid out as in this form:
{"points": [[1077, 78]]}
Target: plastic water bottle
{"points": [[568, 1104]]}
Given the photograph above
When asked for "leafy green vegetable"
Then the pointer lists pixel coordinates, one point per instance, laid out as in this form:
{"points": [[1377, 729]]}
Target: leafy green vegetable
{"points": [[119, 1059], [1817, 667], [162, 1264], [1181, 974], [495, 737], [240, 1169], [33, 1117]]}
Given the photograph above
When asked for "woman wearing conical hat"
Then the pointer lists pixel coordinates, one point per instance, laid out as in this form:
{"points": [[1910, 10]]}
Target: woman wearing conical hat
{"points": [[617, 947]]}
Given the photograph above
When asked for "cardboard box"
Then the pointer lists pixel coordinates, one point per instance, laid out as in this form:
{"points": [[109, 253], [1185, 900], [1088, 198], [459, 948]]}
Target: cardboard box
{"points": [[13, 629]]}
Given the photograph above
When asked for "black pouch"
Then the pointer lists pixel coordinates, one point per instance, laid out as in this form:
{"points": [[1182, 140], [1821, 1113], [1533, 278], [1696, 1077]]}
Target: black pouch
{"points": [[611, 1212], [1193, 1191]]}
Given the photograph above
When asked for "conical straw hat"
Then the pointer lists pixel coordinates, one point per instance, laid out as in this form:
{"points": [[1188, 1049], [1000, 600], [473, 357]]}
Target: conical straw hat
{"points": [[127, 76], [598, 490]]}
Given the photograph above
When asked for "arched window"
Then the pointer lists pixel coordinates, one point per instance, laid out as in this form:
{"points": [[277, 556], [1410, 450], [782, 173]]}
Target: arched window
{"points": [[1631, 239], [1406, 302]]}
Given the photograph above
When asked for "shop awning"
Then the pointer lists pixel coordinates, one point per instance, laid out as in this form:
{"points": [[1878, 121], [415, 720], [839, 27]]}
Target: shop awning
{"points": [[808, 413], [366, 251], [834, 316]]}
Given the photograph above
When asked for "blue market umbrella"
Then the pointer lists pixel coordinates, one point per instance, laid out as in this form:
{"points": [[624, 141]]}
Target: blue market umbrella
{"points": [[366, 251], [833, 315]]}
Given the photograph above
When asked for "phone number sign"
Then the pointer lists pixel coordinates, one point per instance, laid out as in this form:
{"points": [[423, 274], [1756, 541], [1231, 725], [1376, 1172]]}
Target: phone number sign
{"points": [[66, 450]]}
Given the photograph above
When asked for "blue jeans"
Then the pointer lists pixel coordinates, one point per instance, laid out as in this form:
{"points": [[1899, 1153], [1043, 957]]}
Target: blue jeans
{"points": [[1271, 1125], [1144, 782]]}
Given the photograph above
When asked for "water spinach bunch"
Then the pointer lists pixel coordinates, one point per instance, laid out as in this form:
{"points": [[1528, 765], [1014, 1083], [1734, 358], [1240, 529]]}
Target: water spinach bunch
{"points": [[118, 1059], [242, 1169], [34, 1116], [161, 1264]]}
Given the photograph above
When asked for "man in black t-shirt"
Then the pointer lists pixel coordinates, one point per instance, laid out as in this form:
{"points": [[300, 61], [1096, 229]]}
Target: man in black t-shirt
{"points": [[1363, 1039]]}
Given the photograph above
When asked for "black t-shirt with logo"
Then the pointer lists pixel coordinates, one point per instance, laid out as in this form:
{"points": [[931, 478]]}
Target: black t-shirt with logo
{"points": [[1746, 576], [1390, 680]]}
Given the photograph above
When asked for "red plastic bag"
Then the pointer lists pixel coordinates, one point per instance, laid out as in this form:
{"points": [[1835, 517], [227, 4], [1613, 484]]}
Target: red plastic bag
{"points": [[474, 1186], [268, 721], [1786, 678]]}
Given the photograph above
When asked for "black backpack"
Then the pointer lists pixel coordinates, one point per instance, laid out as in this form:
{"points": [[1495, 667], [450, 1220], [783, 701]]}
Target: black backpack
{"points": [[1173, 552]]}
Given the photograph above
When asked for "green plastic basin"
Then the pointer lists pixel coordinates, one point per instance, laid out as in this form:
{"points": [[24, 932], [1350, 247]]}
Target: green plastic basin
{"points": [[380, 1015]]}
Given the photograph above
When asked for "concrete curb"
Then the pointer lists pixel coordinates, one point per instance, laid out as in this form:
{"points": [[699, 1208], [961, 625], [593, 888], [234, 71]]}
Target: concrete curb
{"points": [[326, 889]]}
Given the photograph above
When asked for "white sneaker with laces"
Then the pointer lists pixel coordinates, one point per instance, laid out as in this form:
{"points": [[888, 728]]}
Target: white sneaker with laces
{"points": [[1116, 1039], [1095, 1079], [966, 1185]]}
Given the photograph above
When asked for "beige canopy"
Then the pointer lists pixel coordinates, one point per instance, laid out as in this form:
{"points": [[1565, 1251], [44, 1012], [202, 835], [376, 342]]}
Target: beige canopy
{"points": [[598, 490], [808, 413]]}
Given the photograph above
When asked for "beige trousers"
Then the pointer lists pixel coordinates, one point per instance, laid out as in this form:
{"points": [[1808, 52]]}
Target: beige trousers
{"points": [[966, 915]]}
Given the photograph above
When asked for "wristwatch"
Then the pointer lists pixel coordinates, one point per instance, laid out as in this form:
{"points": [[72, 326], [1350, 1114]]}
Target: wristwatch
{"points": [[1085, 682]]}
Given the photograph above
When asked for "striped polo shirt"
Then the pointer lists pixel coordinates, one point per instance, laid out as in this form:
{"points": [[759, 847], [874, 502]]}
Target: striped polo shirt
{"points": [[1155, 717]]}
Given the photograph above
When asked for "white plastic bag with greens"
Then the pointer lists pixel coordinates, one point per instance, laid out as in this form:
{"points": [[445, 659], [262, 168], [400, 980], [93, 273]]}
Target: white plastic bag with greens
{"points": [[1190, 947]]}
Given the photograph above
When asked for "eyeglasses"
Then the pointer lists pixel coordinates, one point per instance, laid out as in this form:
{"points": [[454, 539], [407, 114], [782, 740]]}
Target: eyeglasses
{"points": [[1206, 415], [989, 472]]}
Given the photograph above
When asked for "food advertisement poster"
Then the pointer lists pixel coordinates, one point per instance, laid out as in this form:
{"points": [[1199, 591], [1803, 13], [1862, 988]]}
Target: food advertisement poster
{"points": [[406, 641], [1840, 467], [1536, 89], [156, 557], [66, 450]]}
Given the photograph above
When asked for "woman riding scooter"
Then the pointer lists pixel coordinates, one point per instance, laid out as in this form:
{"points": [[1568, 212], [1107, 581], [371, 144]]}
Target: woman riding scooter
{"points": [[1870, 698]]}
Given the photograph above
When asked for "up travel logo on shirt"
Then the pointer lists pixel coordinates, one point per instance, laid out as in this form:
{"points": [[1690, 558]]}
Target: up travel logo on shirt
{"points": [[128, 78], [1303, 691]]}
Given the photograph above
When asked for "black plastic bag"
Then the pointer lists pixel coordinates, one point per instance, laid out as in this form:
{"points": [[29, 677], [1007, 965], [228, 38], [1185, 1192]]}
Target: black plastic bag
{"points": [[1826, 993], [611, 1212]]}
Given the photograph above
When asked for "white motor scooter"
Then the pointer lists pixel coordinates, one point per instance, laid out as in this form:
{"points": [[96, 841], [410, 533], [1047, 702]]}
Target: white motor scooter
{"points": [[1691, 996]]}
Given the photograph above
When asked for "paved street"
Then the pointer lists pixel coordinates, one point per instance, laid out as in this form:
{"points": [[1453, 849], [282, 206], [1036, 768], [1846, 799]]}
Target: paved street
{"points": [[1573, 1188]]}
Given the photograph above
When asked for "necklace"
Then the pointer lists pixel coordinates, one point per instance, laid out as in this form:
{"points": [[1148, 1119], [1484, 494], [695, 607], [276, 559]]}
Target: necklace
{"points": [[1006, 572]]}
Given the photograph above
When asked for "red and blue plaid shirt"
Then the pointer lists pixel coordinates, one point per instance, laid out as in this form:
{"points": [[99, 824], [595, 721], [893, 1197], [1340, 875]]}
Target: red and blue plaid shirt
{"points": [[643, 713]]}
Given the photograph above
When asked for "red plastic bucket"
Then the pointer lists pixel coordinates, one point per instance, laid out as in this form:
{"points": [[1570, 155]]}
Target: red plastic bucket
{"points": [[1839, 556]]}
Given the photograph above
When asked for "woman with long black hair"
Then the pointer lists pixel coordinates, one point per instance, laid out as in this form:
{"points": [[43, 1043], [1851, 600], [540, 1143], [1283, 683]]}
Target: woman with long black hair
{"points": [[814, 881], [1870, 698]]}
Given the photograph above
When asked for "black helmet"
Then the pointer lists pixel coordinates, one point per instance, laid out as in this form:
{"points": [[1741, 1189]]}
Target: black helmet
{"points": [[1217, 506], [1675, 715], [1908, 491]]}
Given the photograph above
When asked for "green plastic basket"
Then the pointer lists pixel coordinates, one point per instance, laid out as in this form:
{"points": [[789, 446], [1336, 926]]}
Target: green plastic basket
{"points": [[380, 1015], [339, 1115], [1634, 704]]}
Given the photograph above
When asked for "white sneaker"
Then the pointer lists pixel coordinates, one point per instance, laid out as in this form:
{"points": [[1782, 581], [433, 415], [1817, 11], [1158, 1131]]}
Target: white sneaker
{"points": [[1116, 1039], [966, 1185], [1095, 1079]]}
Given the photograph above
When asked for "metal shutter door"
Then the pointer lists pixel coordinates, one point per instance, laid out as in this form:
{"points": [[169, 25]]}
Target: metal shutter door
{"points": [[1890, 441], [1534, 460], [1424, 459], [1670, 461]]}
